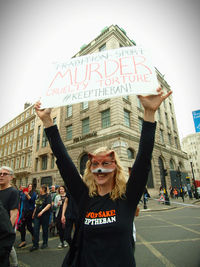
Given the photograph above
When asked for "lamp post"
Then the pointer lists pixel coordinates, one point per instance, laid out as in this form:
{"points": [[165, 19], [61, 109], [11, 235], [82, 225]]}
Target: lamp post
{"points": [[194, 182], [167, 201], [181, 190]]}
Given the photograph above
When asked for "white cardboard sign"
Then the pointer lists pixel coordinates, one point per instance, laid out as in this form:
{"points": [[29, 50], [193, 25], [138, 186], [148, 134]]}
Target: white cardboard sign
{"points": [[106, 74]]}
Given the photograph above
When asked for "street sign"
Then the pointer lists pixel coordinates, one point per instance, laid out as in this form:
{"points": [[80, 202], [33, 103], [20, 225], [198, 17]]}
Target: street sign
{"points": [[196, 119]]}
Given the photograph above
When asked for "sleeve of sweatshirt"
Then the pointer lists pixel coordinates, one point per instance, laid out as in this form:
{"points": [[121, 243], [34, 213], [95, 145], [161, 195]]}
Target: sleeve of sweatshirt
{"points": [[142, 165], [66, 167]]}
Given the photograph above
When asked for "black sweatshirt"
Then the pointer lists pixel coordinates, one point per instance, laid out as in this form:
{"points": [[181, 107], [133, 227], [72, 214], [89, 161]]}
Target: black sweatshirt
{"points": [[105, 226]]}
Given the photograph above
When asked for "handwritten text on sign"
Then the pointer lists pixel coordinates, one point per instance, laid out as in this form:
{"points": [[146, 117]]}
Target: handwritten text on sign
{"points": [[101, 75]]}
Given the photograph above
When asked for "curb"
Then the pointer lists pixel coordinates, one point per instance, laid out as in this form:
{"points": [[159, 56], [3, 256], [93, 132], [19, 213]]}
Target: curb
{"points": [[164, 209]]}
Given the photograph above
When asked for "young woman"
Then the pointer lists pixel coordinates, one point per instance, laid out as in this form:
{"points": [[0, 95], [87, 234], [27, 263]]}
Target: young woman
{"points": [[58, 203], [41, 216], [106, 203], [28, 198]]}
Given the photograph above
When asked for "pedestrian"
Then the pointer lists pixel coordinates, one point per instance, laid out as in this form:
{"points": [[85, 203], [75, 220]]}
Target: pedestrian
{"points": [[52, 226], [7, 236], [41, 215], [9, 197], [106, 203], [69, 217], [28, 198], [176, 192], [58, 203]]}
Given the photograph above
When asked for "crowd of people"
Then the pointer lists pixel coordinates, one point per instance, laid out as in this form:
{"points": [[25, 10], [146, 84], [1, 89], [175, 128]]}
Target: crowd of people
{"points": [[178, 191], [28, 209]]}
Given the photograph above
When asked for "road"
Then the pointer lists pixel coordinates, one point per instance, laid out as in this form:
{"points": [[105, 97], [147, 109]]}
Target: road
{"points": [[164, 238], [168, 238]]}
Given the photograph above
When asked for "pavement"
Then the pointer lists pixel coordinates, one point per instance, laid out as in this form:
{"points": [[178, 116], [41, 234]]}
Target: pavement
{"points": [[154, 204]]}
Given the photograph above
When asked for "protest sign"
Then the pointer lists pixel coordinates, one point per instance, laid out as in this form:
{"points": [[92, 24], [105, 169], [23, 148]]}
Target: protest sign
{"points": [[106, 74]]}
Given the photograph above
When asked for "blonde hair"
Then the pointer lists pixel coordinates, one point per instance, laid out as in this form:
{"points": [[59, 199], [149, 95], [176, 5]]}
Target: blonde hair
{"points": [[119, 188]]}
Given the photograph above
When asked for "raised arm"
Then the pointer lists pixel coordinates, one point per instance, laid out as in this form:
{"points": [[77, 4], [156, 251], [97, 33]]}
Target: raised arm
{"points": [[139, 173], [67, 169]]}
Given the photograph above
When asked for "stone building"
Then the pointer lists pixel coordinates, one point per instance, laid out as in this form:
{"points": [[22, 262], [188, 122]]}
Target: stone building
{"points": [[191, 145], [44, 170], [16, 144], [115, 123]]}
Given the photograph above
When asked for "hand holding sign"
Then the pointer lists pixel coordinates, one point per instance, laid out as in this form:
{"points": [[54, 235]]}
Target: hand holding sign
{"points": [[151, 103], [44, 115]]}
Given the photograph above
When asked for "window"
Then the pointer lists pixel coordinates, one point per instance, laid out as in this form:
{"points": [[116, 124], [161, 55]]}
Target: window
{"points": [[17, 163], [25, 142], [102, 48], [138, 102], [16, 132], [173, 123], [19, 144], [54, 121], [12, 164], [38, 137], [7, 138], [21, 131], [30, 141], [36, 164], [32, 124], [28, 162], [166, 119], [69, 111], [52, 161], [69, 132], [10, 149], [105, 118], [171, 164], [140, 121], [84, 105], [130, 153], [161, 136], [127, 118], [170, 138], [22, 161], [14, 147], [176, 141], [44, 139], [85, 126], [44, 162], [26, 128]]}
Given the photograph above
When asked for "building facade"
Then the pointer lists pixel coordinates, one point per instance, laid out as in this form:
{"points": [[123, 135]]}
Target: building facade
{"points": [[115, 123], [16, 144], [191, 145]]}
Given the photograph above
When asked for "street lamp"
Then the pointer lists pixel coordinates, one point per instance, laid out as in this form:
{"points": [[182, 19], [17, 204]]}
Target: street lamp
{"points": [[167, 201], [194, 182], [181, 190]]}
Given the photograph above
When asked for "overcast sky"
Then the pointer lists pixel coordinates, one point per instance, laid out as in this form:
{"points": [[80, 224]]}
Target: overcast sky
{"points": [[35, 33]]}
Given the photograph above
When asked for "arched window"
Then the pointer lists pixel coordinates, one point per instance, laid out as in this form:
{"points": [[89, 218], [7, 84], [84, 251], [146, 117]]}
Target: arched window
{"points": [[171, 164], [130, 153], [83, 161]]}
